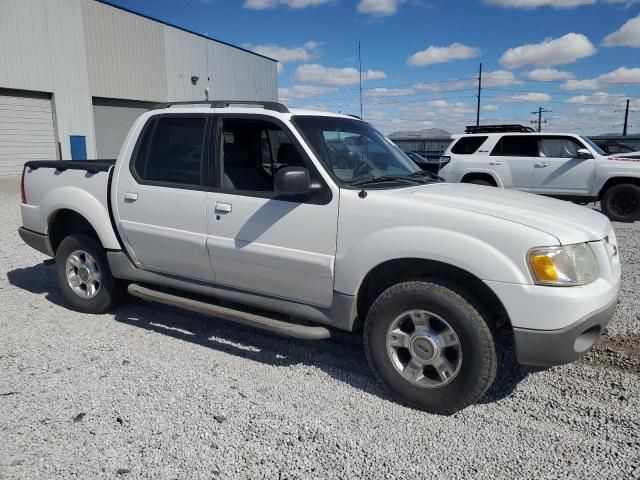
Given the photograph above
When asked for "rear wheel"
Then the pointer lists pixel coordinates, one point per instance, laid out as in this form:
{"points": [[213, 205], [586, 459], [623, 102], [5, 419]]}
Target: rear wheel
{"points": [[429, 346], [621, 203], [480, 181], [84, 276]]}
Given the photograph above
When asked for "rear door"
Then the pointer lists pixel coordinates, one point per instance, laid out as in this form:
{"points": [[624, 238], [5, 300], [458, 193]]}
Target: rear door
{"points": [[559, 171], [261, 242], [161, 197], [513, 158]]}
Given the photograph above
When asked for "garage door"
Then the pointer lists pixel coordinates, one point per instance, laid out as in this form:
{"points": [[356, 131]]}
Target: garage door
{"points": [[26, 130], [112, 120]]}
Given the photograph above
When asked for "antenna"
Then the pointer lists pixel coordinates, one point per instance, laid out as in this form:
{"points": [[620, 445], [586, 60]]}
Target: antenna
{"points": [[363, 192]]}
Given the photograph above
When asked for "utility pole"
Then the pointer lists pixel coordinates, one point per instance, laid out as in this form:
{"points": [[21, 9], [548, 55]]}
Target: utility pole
{"points": [[626, 119], [540, 111], [479, 90]]}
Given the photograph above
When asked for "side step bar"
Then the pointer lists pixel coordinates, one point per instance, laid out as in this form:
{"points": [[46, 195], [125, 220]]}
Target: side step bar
{"points": [[238, 316]]}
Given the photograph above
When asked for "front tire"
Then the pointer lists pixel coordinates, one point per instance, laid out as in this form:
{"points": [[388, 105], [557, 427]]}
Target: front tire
{"points": [[429, 347], [621, 203], [84, 276]]}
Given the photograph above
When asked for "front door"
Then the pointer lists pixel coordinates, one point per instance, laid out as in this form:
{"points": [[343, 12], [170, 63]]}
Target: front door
{"points": [[260, 242], [559, 171], [161, 198]]}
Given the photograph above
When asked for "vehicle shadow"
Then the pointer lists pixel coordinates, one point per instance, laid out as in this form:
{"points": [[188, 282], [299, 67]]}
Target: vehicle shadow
{"points": [[341, 357]]}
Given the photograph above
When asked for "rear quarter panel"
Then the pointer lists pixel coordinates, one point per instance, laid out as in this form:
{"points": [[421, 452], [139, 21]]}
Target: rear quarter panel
{"points": [[49, 191]]}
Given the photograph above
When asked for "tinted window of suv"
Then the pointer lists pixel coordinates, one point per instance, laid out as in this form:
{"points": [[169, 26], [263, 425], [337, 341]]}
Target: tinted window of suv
{"points": [[516, 146], [174, 154], [468, 145]]}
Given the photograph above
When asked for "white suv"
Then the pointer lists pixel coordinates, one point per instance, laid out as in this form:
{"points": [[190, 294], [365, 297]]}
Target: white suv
{"points": [[561, 165]]}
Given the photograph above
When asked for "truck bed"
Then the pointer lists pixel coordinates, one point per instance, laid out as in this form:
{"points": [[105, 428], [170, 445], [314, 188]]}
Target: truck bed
{"points": [[80, 186]]}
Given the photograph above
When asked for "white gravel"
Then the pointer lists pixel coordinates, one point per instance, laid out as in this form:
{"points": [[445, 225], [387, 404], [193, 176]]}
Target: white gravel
{"points": [[155, 392]]}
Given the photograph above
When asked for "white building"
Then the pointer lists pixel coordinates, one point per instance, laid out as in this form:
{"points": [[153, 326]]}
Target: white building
{"points": [[74, 74]]}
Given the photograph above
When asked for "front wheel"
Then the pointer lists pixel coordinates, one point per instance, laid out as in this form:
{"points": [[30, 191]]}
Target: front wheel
{"points": [[429, 346], [621, 203], [84, 276]]}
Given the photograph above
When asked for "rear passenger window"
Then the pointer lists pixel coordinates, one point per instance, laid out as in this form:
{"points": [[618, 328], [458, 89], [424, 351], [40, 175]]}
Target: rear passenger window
{"points": [[171, 152], [467, 145], [516, 146]]}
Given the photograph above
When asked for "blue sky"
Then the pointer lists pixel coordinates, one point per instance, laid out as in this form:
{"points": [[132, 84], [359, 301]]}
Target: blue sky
{"points": [[578, 58]]}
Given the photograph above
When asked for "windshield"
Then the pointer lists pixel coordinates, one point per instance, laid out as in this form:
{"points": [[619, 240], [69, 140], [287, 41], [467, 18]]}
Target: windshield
{"points": [[353, 150], [598, 150]]}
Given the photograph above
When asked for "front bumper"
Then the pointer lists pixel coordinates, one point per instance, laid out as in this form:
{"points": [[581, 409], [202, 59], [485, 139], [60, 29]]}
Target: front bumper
{"points": [[545, 348], [37, 241]]}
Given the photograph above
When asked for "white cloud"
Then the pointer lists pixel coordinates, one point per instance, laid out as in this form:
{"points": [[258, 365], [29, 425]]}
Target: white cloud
{"points": [[598, 98], [433, 54], [588, 84], [314, 73], [531, 97], [548, 74], [285, 54], [266, 4], [389, 92], [378, 8], [626, 3], [628, 35], [553, 51], [497, 78], [531, 4], [490, 108], [620, 76], [302, 91]]}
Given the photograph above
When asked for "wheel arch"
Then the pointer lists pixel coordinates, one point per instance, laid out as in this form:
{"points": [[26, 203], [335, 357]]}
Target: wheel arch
{"points": [[65, 222], [618, 180], [470, 176], [392, 272]]}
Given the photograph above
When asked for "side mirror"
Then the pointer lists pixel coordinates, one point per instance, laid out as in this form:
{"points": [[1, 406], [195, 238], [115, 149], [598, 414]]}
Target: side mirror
{"points": [[584, 154], [294, 181]]}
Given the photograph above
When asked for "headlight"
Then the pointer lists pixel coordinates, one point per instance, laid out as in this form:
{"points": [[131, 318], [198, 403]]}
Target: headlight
{"points": [[563, 265]]}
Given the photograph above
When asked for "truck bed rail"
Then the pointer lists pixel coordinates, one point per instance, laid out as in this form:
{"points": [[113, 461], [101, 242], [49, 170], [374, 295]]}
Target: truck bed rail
{"points": [[91, 166]]}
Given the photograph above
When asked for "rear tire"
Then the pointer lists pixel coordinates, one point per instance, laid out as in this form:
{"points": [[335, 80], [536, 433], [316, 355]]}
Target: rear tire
{"points": [[430, 368], [481, 181], [84, 276], [621, 203]]}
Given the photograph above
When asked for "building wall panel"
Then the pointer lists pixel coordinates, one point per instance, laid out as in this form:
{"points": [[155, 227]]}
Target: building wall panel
{"points": [[25, 54], [186, 56], [125, 54]]}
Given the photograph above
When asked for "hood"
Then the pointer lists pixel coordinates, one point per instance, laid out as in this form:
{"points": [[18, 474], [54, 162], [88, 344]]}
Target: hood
{"points": [[568, 222]]}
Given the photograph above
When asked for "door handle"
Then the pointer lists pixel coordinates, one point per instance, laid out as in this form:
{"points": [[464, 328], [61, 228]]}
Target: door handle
{"points": [[541, 164], [130, 197], [222, 207], [495, 163]]}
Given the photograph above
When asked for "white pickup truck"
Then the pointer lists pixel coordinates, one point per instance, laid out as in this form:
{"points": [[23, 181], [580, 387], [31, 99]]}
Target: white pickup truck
{"points": [[560, 165], [319, 221]]}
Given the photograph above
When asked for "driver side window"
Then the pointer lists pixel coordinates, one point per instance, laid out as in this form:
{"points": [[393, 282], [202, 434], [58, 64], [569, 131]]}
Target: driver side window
{"points": [[252, 153]]}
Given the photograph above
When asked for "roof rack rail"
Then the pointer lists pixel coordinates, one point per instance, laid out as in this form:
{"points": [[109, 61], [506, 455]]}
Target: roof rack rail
{"points": [[276, 106], [498, 128]]}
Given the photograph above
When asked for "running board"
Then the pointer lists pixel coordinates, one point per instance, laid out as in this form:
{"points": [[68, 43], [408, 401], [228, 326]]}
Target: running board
{"points": [[238, 316]]}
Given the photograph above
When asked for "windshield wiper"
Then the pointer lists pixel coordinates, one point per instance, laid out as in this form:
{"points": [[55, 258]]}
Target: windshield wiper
{"points": [[375, 180], [423, 173]]}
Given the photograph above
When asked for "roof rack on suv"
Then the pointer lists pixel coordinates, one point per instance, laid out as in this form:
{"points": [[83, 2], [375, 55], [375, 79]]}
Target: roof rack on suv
{"points": [[276, 106], [498, 129]]}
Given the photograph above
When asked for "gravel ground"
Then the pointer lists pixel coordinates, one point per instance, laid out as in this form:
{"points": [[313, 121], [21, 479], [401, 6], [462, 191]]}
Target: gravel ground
{"points": [[155, 392]]}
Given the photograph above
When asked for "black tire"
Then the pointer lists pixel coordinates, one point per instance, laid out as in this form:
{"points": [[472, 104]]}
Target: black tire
{"points": [[479, 358], [110, 291], [480, 181], [621, 203]]}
